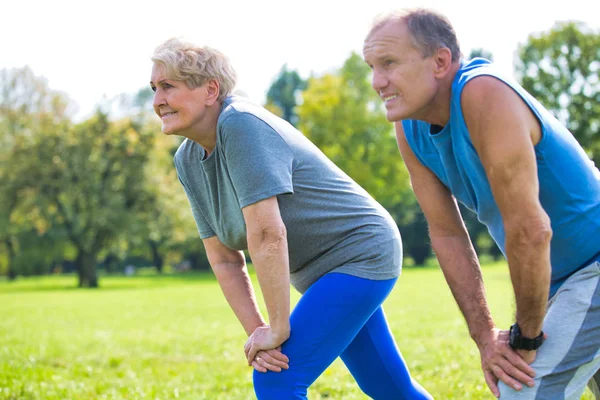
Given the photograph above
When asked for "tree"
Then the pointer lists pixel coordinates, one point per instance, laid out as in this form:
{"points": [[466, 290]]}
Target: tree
{"points": [[480, 52], [27, 106], [343, 116], [561, 69], [283, 94], [89, 180]]}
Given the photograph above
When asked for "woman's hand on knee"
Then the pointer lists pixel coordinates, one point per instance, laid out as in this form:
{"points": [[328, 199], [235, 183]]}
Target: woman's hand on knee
{"points": [[270, 360], [263, 338]]}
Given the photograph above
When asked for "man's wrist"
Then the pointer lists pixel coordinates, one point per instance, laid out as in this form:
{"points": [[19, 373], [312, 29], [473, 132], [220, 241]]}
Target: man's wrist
{"points": [[483, 336], [518, 341]]}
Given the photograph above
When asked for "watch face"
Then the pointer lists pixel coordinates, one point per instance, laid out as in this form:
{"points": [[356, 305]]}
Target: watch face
{"points": [[518, 342], [513, 336]]}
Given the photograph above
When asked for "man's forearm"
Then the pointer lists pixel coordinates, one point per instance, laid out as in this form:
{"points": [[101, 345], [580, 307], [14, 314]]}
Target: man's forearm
{"points": [[459, 263], [237, 288], [528, 253]]}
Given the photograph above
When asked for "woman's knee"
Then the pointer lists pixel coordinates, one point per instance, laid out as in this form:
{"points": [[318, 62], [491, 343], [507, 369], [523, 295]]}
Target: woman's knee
{"points": [[277, 385]]}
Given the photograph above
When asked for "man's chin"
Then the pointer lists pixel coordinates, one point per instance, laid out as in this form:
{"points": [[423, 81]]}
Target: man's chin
{"points": [[394, 116]]}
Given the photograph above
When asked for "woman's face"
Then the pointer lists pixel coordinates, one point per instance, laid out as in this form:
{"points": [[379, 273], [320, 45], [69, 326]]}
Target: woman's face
{"points": [[181, 109]]}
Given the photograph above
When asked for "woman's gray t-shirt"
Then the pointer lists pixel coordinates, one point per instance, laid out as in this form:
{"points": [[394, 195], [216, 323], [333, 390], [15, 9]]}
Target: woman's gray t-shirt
{"points": [[332, 223]]}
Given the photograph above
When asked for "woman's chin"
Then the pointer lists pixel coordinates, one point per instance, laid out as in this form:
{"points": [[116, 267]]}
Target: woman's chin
{"points": [[168, 130]]}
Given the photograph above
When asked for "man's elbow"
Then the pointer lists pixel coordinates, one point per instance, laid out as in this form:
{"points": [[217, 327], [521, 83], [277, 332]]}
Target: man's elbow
{"points": [[535, 232]]}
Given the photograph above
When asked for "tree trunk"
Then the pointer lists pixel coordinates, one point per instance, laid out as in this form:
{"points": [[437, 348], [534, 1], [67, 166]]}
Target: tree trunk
{"points": [[12, 272], [86, 266], [157, 258]]}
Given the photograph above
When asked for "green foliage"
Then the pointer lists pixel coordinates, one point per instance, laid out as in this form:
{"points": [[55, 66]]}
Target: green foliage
{"points": [[480, 52], [27, 107], [282, 96], [561, 68], [343, 116]]}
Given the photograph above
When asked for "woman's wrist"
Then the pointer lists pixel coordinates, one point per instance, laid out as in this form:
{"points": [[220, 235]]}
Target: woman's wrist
{"points": [[281, 332]]}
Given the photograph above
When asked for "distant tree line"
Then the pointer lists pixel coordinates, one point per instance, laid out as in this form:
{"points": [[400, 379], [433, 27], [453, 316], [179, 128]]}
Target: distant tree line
{"points": [[103, 193]]}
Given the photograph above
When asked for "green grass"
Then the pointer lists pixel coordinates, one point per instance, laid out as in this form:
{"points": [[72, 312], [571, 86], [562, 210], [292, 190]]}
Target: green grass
{"points": [[174, 337]]}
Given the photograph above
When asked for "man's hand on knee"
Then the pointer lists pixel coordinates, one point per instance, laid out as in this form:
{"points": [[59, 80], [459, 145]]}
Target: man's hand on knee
{"points": [[501, 363]]}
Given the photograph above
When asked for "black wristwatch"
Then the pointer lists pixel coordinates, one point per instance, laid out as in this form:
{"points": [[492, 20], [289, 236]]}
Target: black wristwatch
{"points": [[520, 342]]}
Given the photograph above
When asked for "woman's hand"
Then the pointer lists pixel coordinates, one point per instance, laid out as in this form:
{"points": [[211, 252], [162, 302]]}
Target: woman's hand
{"points": [[272, 360], [263, 350]]}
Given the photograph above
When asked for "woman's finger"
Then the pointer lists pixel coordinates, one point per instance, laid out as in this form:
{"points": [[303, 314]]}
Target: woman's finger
{"points": [[273, 358], [256, 365]]}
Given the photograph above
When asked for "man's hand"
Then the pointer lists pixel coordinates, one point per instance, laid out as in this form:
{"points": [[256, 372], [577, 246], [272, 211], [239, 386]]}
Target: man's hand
{"points": [[268, 343], [527, 355], [500, 362]]}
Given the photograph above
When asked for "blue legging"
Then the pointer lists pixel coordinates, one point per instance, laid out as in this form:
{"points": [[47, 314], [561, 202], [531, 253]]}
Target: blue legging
{"points": [[341, 315]]}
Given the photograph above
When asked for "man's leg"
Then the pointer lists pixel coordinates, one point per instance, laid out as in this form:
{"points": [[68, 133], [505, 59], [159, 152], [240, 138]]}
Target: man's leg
{"points": [[323, 323], [594, 385], [570, 356]]}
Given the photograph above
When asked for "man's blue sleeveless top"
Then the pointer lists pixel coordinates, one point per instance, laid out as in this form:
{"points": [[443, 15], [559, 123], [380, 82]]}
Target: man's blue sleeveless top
{"points": [[569, 181]]}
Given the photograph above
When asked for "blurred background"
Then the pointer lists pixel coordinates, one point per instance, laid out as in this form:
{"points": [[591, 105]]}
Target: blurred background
{"points": [[87, 183], [89, 197]]}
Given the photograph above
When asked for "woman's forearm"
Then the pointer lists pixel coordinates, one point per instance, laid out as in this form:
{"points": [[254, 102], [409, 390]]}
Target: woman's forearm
{"points": [[269, 253], [237, 288]]}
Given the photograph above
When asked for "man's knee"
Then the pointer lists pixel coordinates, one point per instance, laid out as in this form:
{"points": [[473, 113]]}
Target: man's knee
{"points": [[594, 385], [277, 385]]}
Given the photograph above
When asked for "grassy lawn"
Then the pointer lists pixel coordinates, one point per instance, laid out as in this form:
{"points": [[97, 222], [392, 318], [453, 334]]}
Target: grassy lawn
{"points": [[174, 337]]}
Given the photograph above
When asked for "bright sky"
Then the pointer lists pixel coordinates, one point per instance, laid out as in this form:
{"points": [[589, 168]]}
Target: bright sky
{"points": [[95, 50]]}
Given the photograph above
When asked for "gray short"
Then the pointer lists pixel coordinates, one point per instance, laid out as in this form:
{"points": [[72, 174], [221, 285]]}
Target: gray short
{"points": [[570, 357]]}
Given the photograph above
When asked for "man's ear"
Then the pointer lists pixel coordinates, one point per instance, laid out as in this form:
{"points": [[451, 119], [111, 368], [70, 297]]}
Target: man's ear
{"points": [[443, 61], [212, 92]]}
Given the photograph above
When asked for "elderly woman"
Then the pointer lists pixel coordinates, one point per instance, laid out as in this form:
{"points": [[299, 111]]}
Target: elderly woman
{"points": [[254, 182]]}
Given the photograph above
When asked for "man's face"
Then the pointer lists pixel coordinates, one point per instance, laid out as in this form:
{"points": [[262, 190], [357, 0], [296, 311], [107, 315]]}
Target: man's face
{"points": [[402, 76]]}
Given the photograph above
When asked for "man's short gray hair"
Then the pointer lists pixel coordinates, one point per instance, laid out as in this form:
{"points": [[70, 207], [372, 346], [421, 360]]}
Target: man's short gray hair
{"points": [[429, 29]]}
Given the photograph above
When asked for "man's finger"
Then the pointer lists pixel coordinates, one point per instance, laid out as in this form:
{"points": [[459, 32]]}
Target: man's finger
{"points": [[492, 382], [519, 363], [502, 375]]}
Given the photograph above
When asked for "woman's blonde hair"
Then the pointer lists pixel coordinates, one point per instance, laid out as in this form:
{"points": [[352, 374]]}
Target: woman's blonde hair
{"points": [[195, 65]]}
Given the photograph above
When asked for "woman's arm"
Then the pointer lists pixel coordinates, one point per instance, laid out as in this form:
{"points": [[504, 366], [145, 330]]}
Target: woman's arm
{"points": [[230, 269], [268, 248]]}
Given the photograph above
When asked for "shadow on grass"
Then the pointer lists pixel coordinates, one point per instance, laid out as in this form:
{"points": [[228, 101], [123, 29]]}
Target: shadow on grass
{"points": [[69, 282]]}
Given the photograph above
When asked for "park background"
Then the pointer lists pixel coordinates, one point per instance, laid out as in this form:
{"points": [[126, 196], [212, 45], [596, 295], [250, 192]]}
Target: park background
{"points": [[89, 197]]}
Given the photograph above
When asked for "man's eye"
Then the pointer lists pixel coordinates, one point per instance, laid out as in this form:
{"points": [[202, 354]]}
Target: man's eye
{"points": [[167, 85], [153, 88]]}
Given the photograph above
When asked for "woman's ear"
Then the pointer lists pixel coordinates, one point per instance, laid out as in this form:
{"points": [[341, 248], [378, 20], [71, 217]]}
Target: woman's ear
{"points": [[212, 91]]}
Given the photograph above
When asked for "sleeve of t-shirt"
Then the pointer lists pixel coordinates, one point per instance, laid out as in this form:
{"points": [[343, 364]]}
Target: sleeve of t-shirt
{"points": [[259, 160], [204, 228]]}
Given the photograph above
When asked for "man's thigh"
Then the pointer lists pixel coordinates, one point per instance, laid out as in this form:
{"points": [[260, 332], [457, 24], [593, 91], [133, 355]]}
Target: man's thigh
{"points": [[569, 357]]}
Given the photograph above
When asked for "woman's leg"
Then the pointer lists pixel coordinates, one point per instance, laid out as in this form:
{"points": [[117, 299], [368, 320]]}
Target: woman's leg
{"points": [[324, 322], [377, 365]]}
